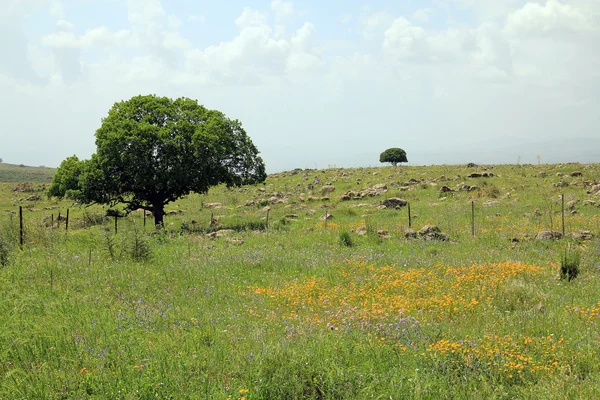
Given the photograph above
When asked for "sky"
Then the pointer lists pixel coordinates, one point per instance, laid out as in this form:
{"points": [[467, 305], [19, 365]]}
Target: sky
{"points": [[316, 84]]}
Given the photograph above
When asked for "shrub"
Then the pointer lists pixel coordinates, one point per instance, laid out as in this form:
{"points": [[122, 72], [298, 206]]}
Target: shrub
{"points": [[346, 239], [569, 264]]}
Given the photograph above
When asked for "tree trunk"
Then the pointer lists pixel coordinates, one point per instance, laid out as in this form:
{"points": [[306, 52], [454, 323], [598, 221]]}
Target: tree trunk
{"points": [[159, 213]]}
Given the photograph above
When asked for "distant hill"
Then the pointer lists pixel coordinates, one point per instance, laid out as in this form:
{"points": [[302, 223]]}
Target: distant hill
{"points": [[23, 173]]}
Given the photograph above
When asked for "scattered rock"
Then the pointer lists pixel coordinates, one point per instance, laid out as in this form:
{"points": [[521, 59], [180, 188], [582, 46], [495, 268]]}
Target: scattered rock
{"points": [[595, 189], [432, 232], [471, 165], [582, 235], [237, 241], [361, 230], [543, 174], [383, 234], [490, 203], [445, 189], [326, 216], [561, 184], [249, 203], [292, 216], [394, 202], [213, 205], [327, 189], [428, 229], [576, 173], [571, 204], [410, 234], [35, 197], [481, 175], [547, 235]]}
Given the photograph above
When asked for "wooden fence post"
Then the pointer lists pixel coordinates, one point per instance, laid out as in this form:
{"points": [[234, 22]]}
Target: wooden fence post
{"points": [[563, 214], [21, 226], [473, 218], [116, 223], [409, 217], [67, 221]]}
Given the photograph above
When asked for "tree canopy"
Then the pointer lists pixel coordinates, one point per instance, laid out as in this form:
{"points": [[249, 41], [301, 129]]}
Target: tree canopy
{"points": [[393, 155], [153, 150]]}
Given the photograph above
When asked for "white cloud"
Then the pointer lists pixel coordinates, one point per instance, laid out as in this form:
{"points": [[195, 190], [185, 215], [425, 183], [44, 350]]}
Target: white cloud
{"points": [[422, 15], [200, 19], [551, 18], [284, 10], [250, 18]]}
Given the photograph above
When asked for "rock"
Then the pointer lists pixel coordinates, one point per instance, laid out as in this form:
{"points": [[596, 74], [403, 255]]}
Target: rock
{"points": [[571, 204], [594, 189], [491, 203], [481, 175], [582, 235], [561, 184], [292, 216], [383, 234], [237, 241], [471, 165], [547, 235], [394, 202], [249, 203], [410, 234], [543, 174], [427, 229], [560, 174], [35, 197], [445, 189], [361, 230], [326, 216], [376, 190], [576, 173], [327, 189], [266, 209], [213, 205]]}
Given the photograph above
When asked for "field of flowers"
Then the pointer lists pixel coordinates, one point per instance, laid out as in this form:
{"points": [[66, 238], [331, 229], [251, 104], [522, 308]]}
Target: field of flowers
{"points": [[304, 306]]}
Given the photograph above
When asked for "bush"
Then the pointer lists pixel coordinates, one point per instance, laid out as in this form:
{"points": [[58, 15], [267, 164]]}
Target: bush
{"points": [[346, 239], [569, 264]]}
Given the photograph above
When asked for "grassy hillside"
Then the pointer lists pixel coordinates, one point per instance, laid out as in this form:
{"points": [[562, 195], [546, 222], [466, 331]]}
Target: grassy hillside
{"points": [[23, 173], [251, 293]]}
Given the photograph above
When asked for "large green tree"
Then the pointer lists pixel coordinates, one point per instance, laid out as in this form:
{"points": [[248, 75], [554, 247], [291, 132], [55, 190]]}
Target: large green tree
{"points": [[393, 155], [153, 150]]}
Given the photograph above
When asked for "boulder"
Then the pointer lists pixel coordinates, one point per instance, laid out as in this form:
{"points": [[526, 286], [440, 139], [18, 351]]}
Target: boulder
{"points": [[394, 202], [410, 234], [576, 173], [547, 235], [427, 229], [446, 189], [213, 205], [327, 189]]}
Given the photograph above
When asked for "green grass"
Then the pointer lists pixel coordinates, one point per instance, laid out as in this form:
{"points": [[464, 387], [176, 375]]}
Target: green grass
{"points": [[22, 173], [291, 313]]}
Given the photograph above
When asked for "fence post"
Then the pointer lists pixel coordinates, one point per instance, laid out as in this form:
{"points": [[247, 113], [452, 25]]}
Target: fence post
{"points": [[563, 214], [67, 222], [473, 218], [409, 217], [116, 228], [21, 226], [267, 223]]}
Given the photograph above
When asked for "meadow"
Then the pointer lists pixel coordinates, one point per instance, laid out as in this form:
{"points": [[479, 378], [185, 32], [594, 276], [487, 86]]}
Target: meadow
{"points": [[306, 287]]}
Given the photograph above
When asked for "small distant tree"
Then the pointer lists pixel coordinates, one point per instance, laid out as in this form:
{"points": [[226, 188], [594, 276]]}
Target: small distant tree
{"points": [[394, 156], [1, 160]]}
